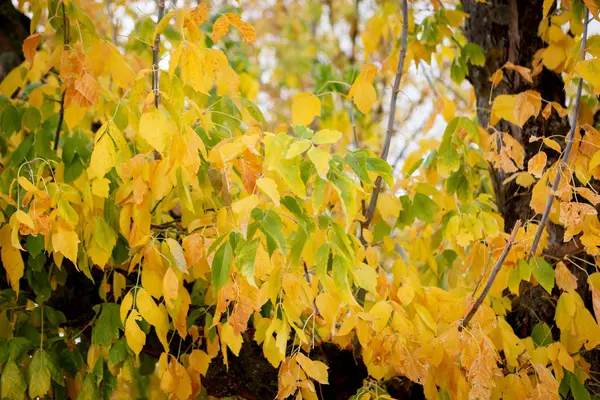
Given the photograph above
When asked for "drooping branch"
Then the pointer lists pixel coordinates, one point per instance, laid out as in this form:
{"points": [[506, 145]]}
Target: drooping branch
{"points": [[493, 274], [61, 114], [370, 211], [155, 51], [563, 162]]}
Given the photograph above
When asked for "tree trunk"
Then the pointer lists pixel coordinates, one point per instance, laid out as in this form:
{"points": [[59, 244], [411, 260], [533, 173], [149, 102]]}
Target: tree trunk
{"points": [[507, 30], [14, 28]]}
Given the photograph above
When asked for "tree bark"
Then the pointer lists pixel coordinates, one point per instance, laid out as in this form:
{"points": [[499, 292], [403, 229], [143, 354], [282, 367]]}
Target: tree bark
{"points": [[507, 30], [14, 28]]}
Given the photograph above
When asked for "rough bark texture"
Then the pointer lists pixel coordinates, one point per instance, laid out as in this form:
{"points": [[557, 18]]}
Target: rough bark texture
{"points": [[507, 30], [14, 28]]}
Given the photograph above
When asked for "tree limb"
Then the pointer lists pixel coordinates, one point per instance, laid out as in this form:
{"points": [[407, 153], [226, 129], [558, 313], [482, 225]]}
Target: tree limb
{"points": [[61, 115], [390, 125], [567, 152], [492, 277], [155, 51]]}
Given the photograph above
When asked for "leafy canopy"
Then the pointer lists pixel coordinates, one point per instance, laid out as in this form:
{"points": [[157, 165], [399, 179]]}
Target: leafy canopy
{"points": [[215, 192]]}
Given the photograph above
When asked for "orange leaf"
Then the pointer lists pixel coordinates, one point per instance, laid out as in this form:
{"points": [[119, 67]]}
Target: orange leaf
{"points": [[30, 45]]}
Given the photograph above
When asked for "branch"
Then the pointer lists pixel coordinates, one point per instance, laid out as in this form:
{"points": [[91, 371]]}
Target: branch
{"points": [[155, 51], [61, 115], [390, 125], [492, 277], [567, 152]]}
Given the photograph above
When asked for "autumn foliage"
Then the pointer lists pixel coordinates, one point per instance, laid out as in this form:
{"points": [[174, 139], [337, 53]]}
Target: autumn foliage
{"points": [[206, 183]]}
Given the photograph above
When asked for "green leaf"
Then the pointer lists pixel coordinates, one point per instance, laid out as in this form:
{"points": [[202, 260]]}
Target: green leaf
{"points": [[303, 132], [35, 245], [424, 208], [38, 374], [579, 391], [221, 266], [12, 384], [31, 118], [253, 110], [118, 352], [541, 334], [269, 223], [104, 236], [382, 168], [543, 273], [473, 54], [322, 261], [107, 326], [357, 160], [9, 122], [245, 256], [524, 270]]}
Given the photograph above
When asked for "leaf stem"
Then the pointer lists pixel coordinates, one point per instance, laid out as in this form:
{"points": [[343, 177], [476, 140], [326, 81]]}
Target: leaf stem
{"points": [[493, 274], [567, 152], [370, 211]]}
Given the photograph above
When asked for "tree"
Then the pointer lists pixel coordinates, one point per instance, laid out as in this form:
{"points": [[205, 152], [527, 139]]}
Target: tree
{"points": [[250, 200]]}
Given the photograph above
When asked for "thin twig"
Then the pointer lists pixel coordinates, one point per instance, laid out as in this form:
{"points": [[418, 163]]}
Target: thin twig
{"points": [[390, 125], [155, 51], [493, 274], [61, 115], [567, 152]]}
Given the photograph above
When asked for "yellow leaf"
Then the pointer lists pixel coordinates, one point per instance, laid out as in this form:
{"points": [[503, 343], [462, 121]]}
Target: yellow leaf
{"points": [[100, 187], [119, 284], [594, 162], [565, 280], [12, 81], [13, 264], [536, 164], [154, 315], [298, 148], [269, 187], [246, 30], [175, 57], [28, 186], [146, 306], [590, 71], [245, 205], [594, 282], [177, 253], [199, 361], [547, 111], [126, 306], [406, 293], [382, 311], [314, 369], [24, 218], [192, 67], [320, 158], [496, 78], [305, 107], [170, 287], [552, 144], [136, 338], [362, 91], [326, 136], [104, 155], [65, 241], [593, 6], [155, 129], [221, 26], [348, 324], [229, 338], [503, 108], [523, 71], [527, 104]]}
